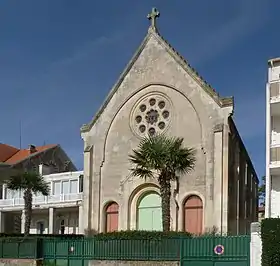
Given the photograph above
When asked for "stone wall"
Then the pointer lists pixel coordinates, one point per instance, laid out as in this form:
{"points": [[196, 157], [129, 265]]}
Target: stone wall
{"points": [[256, 245], [135, 263]]}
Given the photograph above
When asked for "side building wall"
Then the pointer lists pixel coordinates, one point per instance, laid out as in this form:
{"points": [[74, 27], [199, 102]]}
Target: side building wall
{"points": [[242, 185]]}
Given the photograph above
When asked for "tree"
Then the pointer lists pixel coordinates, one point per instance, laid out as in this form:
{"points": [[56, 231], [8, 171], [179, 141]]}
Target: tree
{"points": [[28, 182], [262, 191], [166, 159]]}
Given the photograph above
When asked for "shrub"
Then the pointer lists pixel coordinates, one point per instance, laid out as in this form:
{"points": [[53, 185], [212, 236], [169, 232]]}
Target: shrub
{"points": [[132, 245], [32, 236], [138, 235], [270, 234]]}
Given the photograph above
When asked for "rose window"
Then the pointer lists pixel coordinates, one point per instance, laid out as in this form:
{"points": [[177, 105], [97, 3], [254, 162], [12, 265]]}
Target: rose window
{"points": [[151, 115]]}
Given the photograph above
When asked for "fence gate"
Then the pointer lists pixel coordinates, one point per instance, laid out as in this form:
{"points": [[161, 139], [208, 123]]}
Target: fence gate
{"points": [[216, 251], [66, 252]]}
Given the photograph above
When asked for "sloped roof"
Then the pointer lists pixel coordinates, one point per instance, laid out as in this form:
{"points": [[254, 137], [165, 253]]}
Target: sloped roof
{"points": [[221, 101], [6, 151], [11, 155]]}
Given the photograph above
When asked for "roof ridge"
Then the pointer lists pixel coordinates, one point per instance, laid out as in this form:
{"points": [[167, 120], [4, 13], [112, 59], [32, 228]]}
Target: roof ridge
{"points": [[123, 74], [223, 101]]}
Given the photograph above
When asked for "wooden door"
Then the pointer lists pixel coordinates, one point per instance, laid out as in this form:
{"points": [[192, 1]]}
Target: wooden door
{"points": [[193, 215]]}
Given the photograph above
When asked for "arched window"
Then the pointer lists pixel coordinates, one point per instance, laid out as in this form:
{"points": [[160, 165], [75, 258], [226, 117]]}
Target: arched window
{"points": [[193, 214], [149, 213], [112, 217]]}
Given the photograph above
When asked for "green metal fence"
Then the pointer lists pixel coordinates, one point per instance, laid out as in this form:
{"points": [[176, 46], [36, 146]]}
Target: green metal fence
{"points": [[19, 248], [131, 249], [231, 250]]}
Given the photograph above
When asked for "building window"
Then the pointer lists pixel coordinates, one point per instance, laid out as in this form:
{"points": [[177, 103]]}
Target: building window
{"points": [[62, 227], [112, 217], [56, 187], [81, 183], [40, 227], [73, 186], [65, 187]]}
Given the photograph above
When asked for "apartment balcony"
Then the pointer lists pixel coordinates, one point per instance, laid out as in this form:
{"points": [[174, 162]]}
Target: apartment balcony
{"points": [[275, 136], [275, 92], [41, 200], [275, 98], [275, 160]]}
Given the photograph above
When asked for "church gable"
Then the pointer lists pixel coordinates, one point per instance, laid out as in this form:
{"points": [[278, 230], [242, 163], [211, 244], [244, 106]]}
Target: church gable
{"points": [[152, 49]]}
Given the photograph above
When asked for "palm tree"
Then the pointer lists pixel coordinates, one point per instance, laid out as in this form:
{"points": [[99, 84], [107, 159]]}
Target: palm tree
{"points": [[28, 182], [166, 159]]}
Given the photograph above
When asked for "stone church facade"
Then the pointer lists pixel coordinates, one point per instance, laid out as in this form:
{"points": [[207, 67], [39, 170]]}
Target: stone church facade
{"points": [[159, 92]]}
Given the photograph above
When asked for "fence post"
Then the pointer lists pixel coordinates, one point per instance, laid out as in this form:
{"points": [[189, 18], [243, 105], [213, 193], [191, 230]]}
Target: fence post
{"points": [[39, 248], [181, 250], [255, 245]]}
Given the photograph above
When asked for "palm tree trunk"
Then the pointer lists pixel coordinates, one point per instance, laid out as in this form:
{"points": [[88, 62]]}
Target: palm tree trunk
{"points": [[165, 193], [27, 210]]}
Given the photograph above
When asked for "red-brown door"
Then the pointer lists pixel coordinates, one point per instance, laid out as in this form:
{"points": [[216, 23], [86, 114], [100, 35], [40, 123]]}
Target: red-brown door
{"points": [[112, 217], [193, 215]]}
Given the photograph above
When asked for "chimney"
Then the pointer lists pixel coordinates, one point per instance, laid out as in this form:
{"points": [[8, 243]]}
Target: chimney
{"points": [[32, 148]]}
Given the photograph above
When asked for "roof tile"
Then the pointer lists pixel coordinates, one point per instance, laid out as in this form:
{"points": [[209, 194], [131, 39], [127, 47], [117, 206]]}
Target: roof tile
{"points": [[12, 155]]}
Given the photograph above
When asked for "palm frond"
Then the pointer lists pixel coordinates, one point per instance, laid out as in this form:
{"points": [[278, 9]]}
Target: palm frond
{"points": [[15, 183], [184, 161], [142, 172], [28, 180], [161, 153], [40, 186]]}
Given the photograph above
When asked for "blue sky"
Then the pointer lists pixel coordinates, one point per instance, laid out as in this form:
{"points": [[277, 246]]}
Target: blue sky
{"points": [[59, 59]]}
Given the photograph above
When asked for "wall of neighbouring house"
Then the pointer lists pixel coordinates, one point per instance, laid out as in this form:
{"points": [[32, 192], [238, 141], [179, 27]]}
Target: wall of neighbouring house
{"points": [[242, 186], [71, 218]]}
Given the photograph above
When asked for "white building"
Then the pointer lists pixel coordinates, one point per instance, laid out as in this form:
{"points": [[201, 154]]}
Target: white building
{"points": [[59, 213], [272, 207]]}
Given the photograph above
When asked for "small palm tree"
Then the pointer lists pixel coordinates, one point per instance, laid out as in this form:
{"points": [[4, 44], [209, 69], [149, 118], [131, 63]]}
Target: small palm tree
{"points": [[28, 182], [166, 159]]}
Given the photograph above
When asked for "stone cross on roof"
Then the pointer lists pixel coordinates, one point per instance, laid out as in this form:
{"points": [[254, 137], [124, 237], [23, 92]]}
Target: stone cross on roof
{"points": [[153, 16]]}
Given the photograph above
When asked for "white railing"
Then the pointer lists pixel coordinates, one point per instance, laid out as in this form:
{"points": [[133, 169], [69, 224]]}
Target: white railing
{"points": [[275, 155], [42, 200], [274, 91]]}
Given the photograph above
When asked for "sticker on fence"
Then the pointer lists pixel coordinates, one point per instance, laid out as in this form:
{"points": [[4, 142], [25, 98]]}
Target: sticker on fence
{"points": [[219, 249]]}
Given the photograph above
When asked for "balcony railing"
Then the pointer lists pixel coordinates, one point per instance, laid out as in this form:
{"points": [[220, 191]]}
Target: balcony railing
{"points": [[275, 155], [275, 136], [275, 90], [42, 200]]}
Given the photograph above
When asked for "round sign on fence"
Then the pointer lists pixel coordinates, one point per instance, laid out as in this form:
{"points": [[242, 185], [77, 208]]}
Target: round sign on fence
{"points": [[219, 249]]}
